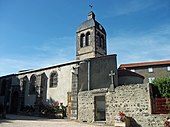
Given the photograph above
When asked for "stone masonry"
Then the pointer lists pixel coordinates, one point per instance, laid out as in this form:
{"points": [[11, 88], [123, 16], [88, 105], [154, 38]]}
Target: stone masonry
{"points": [[133, 100], [86, 107]]}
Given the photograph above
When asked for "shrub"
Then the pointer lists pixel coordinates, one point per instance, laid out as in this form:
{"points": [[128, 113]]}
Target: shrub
{"points": [[53, 108], [163, 85]]}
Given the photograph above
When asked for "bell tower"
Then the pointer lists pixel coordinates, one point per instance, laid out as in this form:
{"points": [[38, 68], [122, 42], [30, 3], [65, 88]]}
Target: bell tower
{"points": [[90, 39]]}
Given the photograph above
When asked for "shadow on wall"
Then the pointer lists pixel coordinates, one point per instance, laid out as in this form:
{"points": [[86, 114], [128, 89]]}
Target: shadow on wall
{"points": [[133, 122]]}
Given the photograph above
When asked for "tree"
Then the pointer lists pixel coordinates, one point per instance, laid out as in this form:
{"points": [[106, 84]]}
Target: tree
{"points": [[163, 85]]}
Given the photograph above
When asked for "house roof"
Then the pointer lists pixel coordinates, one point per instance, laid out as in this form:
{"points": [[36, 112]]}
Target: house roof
{"points": [[124, 72], [7, 76], [142, 64], [45, 68]]}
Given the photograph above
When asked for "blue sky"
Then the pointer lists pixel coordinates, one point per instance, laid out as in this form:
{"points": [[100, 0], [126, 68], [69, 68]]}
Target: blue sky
{"points": [[40, 33]]}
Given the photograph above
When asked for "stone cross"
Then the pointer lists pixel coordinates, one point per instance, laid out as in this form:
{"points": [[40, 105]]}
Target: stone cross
{"points": [[112, 74]]}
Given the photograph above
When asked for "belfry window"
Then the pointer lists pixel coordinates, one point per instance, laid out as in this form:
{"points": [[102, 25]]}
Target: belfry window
{"points": [[87, 38], [53, 79], [32, 84], [102, 42], [98, 39], [82, 41]]}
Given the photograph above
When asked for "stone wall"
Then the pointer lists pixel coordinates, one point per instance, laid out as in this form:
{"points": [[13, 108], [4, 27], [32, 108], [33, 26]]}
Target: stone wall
{"points": [[85, 107], [133, 100], [64, 83], [99, 70]]}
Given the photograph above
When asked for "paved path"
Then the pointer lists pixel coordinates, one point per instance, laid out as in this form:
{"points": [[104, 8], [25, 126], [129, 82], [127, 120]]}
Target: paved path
{"points": [[29, 121]]}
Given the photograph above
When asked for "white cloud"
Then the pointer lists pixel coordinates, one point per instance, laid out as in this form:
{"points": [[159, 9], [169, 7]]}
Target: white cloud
{"points": [[125, 7], [51, 52], [131, 6], [149, 46], [11, 65]]}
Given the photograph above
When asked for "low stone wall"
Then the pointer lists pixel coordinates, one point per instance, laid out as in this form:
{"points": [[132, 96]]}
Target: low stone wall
{"points": [[156, 120], [85, 107], [133, 100]]}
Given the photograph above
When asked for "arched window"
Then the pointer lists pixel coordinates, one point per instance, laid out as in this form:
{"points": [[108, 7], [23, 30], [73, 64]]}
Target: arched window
{"points": [[102, 41], [32, 84], [82, 40], [87, 38], [98, 39], [43, 87], [24, 83], [53, 79]]}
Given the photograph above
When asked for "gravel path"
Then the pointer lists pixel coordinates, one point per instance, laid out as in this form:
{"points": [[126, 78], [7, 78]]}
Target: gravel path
{"points": [[29, 121]]}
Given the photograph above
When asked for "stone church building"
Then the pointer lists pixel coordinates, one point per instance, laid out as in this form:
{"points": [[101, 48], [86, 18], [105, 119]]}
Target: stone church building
{"points": [[61, 82], [91, 87]]}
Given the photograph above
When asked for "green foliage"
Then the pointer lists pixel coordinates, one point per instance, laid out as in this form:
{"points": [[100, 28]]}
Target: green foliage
{"points": [[163, 85], [53, 109]]}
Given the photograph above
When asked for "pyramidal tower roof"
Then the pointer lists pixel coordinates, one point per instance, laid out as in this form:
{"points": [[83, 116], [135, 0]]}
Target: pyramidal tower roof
{"points": [[90, 22]]}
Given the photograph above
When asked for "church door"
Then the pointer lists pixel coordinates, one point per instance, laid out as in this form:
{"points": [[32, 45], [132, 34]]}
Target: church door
{"points": [[14, 102], [99, 104]]}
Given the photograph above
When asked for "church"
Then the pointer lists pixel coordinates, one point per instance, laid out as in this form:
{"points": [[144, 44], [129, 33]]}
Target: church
{"points": [[61, 82], [91, 87]]}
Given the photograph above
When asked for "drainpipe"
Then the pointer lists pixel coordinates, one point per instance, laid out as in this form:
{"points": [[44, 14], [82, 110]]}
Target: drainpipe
{"points": [[88, 71], [88, 75]]}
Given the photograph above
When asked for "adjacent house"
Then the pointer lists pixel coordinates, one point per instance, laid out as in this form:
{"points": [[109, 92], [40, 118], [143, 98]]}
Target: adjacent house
{"points": [[150, 70]]}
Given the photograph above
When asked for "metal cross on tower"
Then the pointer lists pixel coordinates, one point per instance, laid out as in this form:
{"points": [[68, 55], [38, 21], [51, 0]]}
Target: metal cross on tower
{"points": [[90, 5]]}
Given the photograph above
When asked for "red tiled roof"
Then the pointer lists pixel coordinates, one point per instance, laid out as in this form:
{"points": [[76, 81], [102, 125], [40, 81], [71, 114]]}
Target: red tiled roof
{"points": [[165, 62]]}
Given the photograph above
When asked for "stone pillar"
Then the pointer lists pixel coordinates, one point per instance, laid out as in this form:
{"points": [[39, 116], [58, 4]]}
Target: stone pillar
{"points": [[69, 104], [74, 95]]}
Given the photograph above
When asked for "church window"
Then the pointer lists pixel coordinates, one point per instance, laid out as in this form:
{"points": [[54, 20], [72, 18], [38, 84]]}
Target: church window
{"points": [[32, 86], [54, 79], [43, 87], [98, 39], [102, 42], [82, 40], [87, 38], [24, 83]]}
